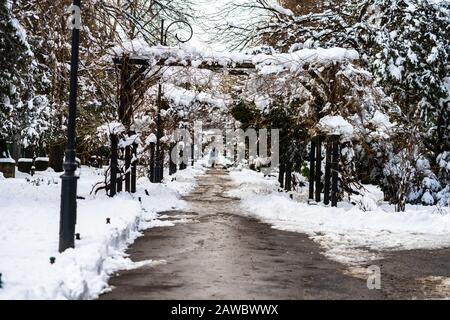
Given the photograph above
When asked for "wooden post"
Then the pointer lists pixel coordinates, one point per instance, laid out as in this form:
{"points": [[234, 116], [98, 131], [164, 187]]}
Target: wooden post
{"points": [[288, 184], [152, 163], [334, 171], [127, 169], [282, 174], [159, 160], [161, 167], [134, 164], [312, 169], [172, 164], [318, 168], [182, 164], [224, 139], [326, 190], [113, 170], [119, 182], [124, 110], [125, 113]]}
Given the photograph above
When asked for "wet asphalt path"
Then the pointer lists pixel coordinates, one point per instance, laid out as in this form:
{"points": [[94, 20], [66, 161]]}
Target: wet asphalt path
{"points": [[219, 254]]}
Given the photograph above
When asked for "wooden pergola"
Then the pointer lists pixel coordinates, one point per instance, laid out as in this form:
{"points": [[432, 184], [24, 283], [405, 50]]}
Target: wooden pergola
{"points": [[133, 68]]}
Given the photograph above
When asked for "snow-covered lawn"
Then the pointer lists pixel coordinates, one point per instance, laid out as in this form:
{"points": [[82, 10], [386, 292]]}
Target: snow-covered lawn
{"points": [[347, 233], [29, 214]]}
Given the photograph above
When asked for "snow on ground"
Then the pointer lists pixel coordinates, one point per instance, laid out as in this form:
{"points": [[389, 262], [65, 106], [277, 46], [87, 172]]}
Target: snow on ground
{"points": [[29, 213], [347, 233]]}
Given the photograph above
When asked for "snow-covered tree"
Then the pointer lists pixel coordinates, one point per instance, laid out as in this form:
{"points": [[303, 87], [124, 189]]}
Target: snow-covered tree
{"points": [[403, 43], [23, 113]]}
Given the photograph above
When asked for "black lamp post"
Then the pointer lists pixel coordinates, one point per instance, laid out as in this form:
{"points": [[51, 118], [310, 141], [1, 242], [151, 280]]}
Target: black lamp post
{"points": [[159, 159], [68, 215], [158, 167]]}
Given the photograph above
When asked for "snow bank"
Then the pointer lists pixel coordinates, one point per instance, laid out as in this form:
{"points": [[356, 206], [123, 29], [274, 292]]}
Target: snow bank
{"points": [[347, 234], [29, 211]]}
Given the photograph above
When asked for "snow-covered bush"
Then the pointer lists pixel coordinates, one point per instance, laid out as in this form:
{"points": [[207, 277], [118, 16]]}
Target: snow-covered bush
{"points": [[21, 114], [404, 45]]}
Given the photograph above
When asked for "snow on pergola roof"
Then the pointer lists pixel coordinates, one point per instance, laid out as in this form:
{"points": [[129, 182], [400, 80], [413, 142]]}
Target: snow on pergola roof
{"points": [[141, 53]]}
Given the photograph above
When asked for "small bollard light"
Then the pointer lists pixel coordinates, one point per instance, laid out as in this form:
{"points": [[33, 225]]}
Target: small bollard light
{"points": [[146, 192], [52, 260], [77, 236], [108, 220], [1, 284]]}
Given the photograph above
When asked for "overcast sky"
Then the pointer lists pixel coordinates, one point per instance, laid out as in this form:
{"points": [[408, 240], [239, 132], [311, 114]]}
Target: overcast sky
{"points": [[209, 8], [206, 8]]}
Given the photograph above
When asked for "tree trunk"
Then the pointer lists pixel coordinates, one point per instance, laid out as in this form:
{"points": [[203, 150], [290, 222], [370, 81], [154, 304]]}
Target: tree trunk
{"points": [[4, 153], [288, 184], [56, 156], [281, 174]]}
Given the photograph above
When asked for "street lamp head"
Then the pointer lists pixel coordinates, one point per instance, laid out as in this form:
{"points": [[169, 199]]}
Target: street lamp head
{"points": [[179, 39]]}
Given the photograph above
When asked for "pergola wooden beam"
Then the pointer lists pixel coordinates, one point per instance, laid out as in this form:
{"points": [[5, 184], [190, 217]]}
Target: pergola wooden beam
{"points": [[237, 69]]}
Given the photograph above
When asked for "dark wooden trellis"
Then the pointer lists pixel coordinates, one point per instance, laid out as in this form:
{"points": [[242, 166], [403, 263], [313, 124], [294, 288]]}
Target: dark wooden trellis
{"points": [[330, 181], [128, 76], [329, 187], [156, 172], [152, 162]]}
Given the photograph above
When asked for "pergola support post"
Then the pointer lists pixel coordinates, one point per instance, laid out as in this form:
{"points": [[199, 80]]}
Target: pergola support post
{"points": [[172, 163], [318, 166], [326, 189], [127, 169], [312, 162], [114, 165], [152, 163], [182, 163], [161, 167], [134, 164], [282, 174], [288, 182], [119, 182], [334, 170], [159, 159]]}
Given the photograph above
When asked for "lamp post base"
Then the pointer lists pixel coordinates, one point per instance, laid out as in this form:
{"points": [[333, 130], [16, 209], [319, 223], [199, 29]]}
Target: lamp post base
{"points": [[68, 213]]}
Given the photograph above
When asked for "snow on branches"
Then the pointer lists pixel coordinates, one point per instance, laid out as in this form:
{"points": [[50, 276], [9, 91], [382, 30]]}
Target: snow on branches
{"points": [[263, 63]]}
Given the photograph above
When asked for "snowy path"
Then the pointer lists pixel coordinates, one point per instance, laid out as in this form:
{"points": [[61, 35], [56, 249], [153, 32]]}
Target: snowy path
{"points": [[220, 255], [213, 252]]}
